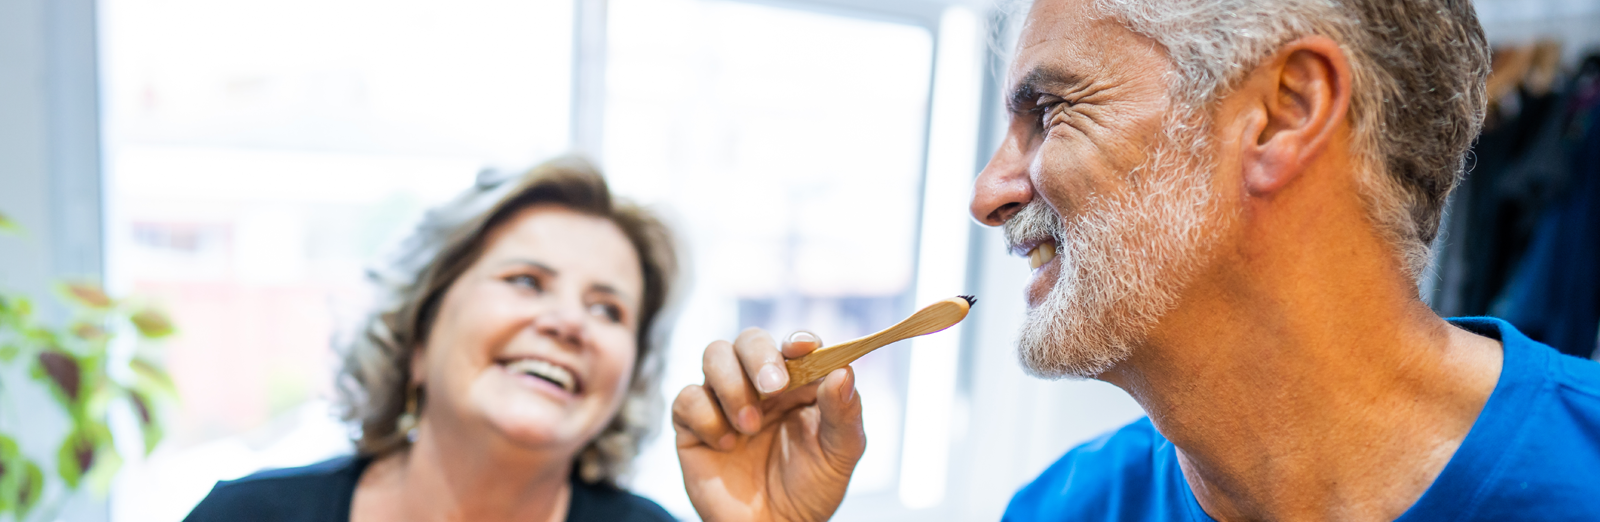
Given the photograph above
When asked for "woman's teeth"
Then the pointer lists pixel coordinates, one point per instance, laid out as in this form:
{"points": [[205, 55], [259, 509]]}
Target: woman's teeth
{"points": [[544, 370], [1041, 254]]}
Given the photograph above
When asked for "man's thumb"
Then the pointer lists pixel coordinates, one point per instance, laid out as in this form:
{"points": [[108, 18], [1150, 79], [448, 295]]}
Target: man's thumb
{"points": [[841, 434]]}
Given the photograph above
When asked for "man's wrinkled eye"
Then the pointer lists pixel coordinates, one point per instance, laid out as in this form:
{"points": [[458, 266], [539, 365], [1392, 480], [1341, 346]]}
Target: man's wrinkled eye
{"points": [[610, 312], [527, 281], [1047, 107]]}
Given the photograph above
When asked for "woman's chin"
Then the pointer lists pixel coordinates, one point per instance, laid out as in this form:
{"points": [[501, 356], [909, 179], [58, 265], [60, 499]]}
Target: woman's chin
{"points": [[531, 435], [531, 418], [536, 427]]}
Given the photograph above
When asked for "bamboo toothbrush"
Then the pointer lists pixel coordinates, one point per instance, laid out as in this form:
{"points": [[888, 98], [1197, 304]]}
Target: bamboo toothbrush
{"points": [[929, 319]]}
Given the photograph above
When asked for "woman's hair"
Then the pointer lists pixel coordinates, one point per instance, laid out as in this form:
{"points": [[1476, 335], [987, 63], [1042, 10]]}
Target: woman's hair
{"points": [[372, 384]]}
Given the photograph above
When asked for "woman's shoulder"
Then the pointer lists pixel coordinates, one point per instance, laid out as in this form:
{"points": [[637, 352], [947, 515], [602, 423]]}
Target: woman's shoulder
{"points": [[602, 502], [320, 492]]}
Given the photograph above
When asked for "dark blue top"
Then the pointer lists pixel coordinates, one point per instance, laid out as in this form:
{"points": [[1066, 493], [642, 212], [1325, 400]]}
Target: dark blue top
{"points": [[1533, 454], [322, 492]]}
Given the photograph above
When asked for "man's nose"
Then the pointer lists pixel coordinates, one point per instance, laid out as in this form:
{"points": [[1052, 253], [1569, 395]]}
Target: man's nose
{"points": [[1003, 187]]}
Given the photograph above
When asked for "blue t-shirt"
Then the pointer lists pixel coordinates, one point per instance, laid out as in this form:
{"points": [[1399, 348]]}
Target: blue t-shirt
{"points": [[1533, 454]]}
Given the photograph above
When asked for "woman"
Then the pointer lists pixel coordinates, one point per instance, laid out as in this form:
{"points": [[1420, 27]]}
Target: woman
{"points": [[509, 373]]}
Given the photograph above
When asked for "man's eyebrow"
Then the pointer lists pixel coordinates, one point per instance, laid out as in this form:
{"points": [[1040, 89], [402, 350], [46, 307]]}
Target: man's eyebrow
{"points": [[1026, 92]]}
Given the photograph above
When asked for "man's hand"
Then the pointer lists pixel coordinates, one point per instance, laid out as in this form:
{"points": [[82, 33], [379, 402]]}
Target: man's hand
{"points": [[787, 458]]}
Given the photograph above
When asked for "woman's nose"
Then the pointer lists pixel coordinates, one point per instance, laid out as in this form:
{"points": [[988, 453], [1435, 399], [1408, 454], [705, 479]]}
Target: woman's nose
{"points": [[1003, 188], [564, 324]]}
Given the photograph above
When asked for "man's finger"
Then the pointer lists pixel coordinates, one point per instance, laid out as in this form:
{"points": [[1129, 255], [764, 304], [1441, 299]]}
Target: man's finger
{"points": [[698, 421], [732, 391], [762, 361], [777, 407], [841, 434], [800, 343]]}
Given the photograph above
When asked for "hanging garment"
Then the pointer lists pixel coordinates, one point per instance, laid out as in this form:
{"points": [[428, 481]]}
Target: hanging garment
{"points": [[1554, 295], [1517, 168]]}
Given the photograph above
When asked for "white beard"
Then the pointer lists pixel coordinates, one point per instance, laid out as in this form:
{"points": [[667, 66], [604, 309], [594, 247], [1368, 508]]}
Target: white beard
{"points": [[1124, 260]]}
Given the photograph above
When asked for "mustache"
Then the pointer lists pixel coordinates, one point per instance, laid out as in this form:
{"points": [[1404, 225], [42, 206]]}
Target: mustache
{"points": [[1034, 224]]}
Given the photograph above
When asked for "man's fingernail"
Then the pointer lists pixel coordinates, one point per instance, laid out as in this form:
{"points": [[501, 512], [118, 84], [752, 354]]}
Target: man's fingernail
{"points": [[802, 337], [749, 419], [726, 443], [771, 379], [849, 388]]}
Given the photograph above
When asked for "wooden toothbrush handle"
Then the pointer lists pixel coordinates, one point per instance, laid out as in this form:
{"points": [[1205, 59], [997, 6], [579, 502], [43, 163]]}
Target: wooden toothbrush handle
{"points": [[818, 364]]}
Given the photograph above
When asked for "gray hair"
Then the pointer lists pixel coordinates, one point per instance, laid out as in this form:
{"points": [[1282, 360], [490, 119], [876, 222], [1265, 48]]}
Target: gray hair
{"points": [[373, 383], [1418, 99]]}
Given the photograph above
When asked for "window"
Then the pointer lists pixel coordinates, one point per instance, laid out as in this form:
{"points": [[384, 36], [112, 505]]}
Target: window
{"points": [[259, 155], [815, 156], [791, 143]]}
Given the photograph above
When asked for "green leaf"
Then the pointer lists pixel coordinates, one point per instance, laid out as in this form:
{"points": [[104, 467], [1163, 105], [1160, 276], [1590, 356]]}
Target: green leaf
{"points": [[152, 374], [87, 294], [29, 488], [9, 226], [8, 490], [99, 392], [9, 353], [8, 452], [42, 337], [62, 370], [88, 331], [106, 464], [153, 434], [144, 410], [76, 456], [12, 469], [152, 323], [16, 307]]}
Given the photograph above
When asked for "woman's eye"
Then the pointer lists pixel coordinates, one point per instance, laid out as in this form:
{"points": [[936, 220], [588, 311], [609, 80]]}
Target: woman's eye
{"points": [[525, 280], [607, 311]]}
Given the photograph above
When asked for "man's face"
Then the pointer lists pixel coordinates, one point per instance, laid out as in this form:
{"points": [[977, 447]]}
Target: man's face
{"points": [[1102, 169]]}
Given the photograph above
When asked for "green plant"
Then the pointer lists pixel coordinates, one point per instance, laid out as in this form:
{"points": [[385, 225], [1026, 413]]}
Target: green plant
{"points": [[76, 364]]}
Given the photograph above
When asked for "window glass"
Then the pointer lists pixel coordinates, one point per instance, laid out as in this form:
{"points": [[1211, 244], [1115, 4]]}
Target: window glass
{"points": [[260, 153], [787, 145]]}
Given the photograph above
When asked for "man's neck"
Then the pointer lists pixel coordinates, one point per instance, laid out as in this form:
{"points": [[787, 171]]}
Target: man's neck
{"points": [[1309, 395], [436, 479]]}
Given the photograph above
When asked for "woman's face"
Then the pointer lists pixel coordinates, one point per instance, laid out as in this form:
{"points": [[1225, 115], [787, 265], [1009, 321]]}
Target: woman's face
{"points": [[535, 343]]}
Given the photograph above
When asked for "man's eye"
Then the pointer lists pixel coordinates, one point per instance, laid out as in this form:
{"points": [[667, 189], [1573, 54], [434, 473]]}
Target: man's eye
{"points": [[525, 280], [1048, 111], [610, 312]]}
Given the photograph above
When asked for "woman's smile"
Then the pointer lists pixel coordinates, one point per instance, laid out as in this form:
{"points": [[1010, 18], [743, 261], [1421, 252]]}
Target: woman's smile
{"points": [[543, 374]]}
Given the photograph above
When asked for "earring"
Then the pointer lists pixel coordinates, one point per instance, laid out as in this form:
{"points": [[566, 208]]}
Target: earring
{"points": [[407, 423]]}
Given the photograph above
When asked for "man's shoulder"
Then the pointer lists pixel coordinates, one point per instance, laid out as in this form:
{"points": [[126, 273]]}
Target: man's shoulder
{"points": [[1577, 376], [1532, 453], [315, 492], [1113, 477]]}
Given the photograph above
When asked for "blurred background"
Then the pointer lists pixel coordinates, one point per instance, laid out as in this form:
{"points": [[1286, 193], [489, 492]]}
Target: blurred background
{"points": [[240, 162]]}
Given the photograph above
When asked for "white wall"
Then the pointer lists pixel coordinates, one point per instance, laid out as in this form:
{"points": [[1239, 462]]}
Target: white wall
{"points": [[49, 142], [49, 174], [1574, 23]]}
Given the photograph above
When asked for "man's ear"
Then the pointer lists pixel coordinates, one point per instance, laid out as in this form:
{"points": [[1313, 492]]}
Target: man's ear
{"points": [[1296, 102]]}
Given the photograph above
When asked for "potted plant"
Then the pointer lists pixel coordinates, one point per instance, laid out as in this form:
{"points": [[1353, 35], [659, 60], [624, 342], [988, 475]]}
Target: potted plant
{"points": [[75, 363]]}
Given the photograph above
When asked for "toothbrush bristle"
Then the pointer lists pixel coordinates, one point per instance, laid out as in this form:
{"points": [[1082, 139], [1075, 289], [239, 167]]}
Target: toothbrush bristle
{"points": [[970, 299]]}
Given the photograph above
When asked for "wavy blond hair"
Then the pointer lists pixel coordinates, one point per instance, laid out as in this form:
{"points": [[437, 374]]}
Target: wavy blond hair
{"points": [[373, 382]]}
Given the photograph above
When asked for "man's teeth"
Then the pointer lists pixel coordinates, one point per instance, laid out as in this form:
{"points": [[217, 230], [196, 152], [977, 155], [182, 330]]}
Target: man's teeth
{"points": [[1041, 254], [544, 370]]}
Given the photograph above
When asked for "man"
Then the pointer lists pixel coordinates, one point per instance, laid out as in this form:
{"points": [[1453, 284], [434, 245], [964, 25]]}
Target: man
{"points": [[1227, 205]]}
